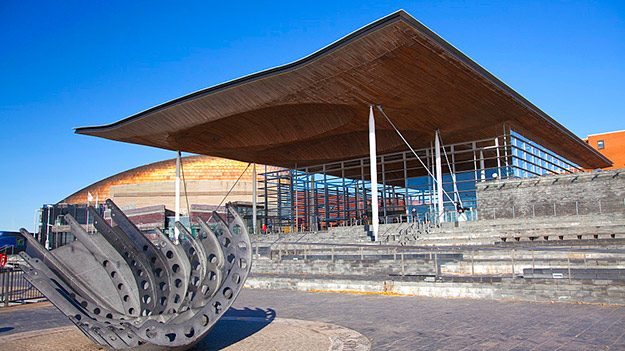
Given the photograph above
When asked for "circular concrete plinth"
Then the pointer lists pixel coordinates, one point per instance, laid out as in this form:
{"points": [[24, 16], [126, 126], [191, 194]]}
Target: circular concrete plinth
{"points": [[232, 334]]}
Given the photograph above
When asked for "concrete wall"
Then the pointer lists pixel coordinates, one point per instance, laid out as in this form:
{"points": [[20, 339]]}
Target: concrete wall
{"points": [[561, 195]]}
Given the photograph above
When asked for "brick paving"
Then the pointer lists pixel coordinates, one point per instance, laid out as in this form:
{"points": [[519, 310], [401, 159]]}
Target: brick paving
{"points": [[417, 323]]}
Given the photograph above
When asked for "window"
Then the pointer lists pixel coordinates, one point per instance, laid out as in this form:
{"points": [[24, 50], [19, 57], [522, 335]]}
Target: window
{"points": [[600, 144]]}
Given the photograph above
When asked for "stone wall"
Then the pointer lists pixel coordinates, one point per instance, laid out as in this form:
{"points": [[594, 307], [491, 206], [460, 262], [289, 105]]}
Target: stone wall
{"points": [[537, 290], [561, 195]]}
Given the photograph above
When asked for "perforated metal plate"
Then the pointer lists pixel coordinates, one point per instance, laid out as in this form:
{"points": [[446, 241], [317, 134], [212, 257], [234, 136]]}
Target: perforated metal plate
{"points": [[126, 292]]}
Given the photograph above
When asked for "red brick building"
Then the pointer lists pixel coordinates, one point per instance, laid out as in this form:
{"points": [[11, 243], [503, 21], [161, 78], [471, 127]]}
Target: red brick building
{"points": [[611, 145]]}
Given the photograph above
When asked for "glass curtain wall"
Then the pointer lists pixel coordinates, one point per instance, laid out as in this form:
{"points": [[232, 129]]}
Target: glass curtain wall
{"points": [[339, 193]]}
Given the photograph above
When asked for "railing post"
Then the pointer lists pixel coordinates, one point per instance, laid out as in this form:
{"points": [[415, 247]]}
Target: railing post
{"points": [[512, 260], [472, 263], [2, 278], [568, 261], [7, 276]]}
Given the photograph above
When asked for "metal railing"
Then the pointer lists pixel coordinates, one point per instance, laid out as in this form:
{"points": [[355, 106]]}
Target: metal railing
{"points": [[14, 288]]}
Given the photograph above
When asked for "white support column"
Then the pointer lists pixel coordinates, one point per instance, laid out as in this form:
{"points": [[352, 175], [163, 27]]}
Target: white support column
{"points": [[505, 150], [375, 222], [498, 158], [48, 225], [439, 179], [482, 167], [254, 200], [177, 201]]}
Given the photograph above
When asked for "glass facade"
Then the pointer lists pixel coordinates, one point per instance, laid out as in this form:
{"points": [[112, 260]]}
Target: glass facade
{"points": [[339, 193]]}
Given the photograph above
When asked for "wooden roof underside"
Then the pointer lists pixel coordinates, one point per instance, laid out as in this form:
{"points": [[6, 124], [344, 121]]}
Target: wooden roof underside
{"points": [[315, 110]]}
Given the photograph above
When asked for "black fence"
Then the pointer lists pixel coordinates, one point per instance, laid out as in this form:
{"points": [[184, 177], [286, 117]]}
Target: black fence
{"points": [[14, 288]]}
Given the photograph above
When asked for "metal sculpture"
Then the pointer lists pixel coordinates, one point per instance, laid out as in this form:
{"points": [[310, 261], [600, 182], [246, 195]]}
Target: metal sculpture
{"points": [[126, 292]]}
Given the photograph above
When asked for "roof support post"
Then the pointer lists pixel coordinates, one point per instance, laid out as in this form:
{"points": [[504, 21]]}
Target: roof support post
{"points": [[254, 200], [439, 178], [177, 200], [375, 222], [498, 158], [482, 166]]}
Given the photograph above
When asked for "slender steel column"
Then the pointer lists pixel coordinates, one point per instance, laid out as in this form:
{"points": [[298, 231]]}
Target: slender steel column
{"points": [[375, 222], [498, 157], [177, 201], [482, 166], [439, 178], [254, 200]]}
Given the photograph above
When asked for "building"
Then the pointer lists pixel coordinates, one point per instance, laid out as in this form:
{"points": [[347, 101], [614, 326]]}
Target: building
{"points": [[147, 196], [389, 119], [611, 145], [206, 181]]}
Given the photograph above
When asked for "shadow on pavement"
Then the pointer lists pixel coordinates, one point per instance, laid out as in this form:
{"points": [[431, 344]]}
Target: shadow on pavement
{"points": [[236, 325], [5, 329]]}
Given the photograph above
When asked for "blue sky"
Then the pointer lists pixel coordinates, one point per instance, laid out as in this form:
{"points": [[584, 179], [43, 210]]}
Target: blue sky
{"points": [[66, 64]]}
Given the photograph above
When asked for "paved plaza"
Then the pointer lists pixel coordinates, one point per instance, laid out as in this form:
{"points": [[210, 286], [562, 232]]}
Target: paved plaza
{"points": [[407, 323]]}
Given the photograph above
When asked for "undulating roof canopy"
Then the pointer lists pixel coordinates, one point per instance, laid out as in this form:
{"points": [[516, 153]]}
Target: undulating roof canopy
{"points": [[315, 110]]}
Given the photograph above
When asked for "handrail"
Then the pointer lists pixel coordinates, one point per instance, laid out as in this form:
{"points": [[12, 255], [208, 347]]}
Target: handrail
{"points": [[454, 248]]}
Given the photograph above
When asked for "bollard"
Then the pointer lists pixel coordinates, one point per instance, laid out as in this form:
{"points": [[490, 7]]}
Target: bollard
{"points": [[362, 255], [402, 265], [333, 254]]}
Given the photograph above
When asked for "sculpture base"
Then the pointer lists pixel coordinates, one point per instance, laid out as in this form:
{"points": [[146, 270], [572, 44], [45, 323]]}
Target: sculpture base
{"points": [[231, 334]]}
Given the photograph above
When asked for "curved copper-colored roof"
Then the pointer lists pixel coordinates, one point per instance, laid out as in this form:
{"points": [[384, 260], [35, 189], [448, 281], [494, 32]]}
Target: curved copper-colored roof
{"points": [[315, 110], [194, 167]]}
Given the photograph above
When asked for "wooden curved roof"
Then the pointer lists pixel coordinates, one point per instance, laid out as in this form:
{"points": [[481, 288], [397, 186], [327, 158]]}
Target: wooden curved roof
{"points": [[315, 110], [195, 168]]}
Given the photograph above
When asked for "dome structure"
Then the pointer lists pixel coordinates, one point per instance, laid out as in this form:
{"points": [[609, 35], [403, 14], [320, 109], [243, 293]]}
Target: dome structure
{"points": [[206, 180]]}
